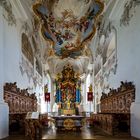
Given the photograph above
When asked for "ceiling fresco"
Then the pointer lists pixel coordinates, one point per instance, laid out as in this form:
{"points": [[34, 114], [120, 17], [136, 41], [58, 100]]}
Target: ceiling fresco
{"points": [[68, 24]]}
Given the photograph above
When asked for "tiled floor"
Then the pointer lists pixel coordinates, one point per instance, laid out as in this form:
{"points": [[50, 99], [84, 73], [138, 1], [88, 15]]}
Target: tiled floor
{"points": [[86, 133]]}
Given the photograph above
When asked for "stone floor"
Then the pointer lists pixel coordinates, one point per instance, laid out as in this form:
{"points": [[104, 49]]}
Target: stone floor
{"points": [[86, 133]]}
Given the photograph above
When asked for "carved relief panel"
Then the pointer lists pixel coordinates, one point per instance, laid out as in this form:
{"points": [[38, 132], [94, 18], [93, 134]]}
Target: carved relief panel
{"points": [[19, 101], [118, 101]]}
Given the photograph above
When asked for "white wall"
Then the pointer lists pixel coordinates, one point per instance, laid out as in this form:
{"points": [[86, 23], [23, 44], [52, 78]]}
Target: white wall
{"points": [[13, 56], [128, 54], [1, 56], [128, 57], [10, 58], [4, 110]]}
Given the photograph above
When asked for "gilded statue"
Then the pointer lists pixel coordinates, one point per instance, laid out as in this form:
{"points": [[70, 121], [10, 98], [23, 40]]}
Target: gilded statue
{"points": [[46, 89], [90, 88], [68, 104]]}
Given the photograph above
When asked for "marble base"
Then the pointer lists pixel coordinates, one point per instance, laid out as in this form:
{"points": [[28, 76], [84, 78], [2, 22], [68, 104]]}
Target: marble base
{"points": [[4, 120], [135, 119]]}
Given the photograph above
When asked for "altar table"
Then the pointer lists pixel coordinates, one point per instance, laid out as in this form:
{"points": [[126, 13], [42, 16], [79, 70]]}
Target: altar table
{"points": [[74, 122]]}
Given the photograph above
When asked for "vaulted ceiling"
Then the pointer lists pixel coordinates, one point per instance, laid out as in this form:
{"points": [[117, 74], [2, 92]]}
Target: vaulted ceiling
{"points": [[68, 26]]}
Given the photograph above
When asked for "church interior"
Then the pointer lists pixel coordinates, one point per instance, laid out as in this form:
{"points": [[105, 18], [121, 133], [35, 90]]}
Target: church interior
{"points": [[68, 69]]}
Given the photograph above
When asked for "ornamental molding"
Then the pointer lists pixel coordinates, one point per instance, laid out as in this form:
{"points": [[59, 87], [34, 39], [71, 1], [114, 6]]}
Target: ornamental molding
{"points": [[129, 11], [25, 27], [102, 77], [26, 68], [8, 13], [105, 27]]}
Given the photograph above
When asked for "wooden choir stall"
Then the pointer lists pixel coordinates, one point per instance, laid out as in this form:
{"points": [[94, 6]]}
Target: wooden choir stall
{"points": [[68, 98], [115, 110], [21, 104]]}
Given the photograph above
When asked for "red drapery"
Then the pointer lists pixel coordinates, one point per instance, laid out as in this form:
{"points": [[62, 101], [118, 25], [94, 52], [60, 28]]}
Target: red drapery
{"points": [[90, 96], [47, 97]]}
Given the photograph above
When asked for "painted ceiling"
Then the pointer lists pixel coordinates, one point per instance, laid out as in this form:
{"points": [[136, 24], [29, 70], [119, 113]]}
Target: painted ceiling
{"points": [[68, 25]]}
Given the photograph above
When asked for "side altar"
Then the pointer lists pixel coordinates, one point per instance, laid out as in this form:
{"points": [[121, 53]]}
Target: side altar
{"points": [[68, 98]]}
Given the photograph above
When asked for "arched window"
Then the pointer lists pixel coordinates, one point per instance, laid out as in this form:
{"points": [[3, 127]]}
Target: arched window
{"points": [[27, 49], [87, 85]]}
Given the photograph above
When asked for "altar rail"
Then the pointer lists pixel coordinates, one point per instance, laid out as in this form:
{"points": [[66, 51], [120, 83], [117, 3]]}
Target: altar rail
{"points": [[115, 109], [20, 102]]}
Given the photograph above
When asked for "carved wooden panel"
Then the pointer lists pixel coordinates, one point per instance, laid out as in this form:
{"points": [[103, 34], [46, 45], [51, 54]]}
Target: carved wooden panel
{"points": [[19, 101], [112, 123], [118, 101], [115, 109]]}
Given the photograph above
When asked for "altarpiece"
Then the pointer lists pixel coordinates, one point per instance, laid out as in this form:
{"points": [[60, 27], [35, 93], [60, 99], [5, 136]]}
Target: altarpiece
{"points": [[68, 94]]}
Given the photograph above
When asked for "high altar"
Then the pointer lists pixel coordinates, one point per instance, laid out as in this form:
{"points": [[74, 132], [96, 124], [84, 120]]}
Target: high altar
{"points": [[68, 98], [68, 95]]}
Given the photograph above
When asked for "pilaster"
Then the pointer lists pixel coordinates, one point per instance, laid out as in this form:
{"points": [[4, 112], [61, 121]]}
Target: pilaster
{"points": [[4, 110]]}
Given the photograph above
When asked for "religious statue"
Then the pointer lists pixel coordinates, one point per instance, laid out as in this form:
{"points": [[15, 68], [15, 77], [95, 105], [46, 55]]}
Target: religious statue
{"points": [[68, 104], [90, 88], [58, 76], [46, 89]]}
